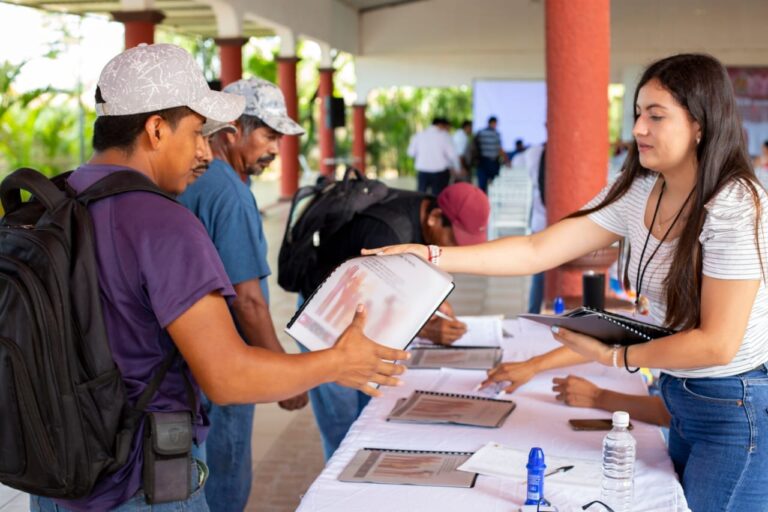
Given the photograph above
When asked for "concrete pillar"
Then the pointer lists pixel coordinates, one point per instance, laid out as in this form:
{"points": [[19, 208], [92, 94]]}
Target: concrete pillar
{"points": [[325, 131], [578, 61], [139, 25], [358, 136], [231, 56], [289, 146]]}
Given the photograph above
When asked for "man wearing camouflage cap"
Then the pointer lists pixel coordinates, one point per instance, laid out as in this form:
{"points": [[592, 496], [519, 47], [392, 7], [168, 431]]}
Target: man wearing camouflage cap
{"points": [[210, 128], [222, 200]]}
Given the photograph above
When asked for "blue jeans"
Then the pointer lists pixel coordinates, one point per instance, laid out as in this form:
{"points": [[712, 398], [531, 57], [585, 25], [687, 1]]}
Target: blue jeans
{"points": [[536, 295], [719, 439], [432, 182], [138, 503], [336, 408], [227, 452], [487, 170]]}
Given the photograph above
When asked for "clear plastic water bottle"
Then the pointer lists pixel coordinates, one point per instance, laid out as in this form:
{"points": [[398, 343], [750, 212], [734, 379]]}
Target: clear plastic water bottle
{"points": [[619, 464]]}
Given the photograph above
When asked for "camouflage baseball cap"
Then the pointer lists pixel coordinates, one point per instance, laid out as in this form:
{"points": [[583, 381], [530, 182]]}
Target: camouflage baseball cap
{"points": [[159, 76], [210, 127], [265, 100]]}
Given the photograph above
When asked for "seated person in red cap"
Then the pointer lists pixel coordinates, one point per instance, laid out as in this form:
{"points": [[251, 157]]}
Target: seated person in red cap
{"points": [[458, 216]]}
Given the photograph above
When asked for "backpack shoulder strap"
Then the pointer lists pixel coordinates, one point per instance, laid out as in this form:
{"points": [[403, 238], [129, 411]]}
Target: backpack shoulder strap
{"points": [[32, 181], [120, 182]]}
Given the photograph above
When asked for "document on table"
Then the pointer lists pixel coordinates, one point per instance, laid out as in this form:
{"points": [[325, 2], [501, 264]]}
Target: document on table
{"points": [[409, 467], [400, 292], [498, 460], [435, 407], [464, 358], [481, 331]]}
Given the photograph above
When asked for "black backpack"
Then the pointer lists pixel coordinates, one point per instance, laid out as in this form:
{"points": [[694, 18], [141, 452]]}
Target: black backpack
{"points": [[64, 419], [318, 212]]}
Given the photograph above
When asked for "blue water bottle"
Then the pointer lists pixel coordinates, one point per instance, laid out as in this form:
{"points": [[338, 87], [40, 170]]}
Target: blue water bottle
{"points": [[558, 305], [535, 467]]}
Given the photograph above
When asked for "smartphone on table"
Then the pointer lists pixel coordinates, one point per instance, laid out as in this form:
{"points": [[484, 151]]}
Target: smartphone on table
{"points": [[593, 424]]}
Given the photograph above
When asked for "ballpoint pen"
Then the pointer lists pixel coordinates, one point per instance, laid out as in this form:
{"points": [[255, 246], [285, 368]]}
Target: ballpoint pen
{"points": [[561, 469], [442, 315]]}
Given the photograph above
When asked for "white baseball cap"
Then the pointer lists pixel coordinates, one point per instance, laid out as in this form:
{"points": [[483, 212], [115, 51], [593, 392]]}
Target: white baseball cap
{"points": [[154, 77]]}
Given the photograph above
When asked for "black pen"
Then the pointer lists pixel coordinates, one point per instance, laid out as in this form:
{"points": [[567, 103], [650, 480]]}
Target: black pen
{"points": [[561, 469]]}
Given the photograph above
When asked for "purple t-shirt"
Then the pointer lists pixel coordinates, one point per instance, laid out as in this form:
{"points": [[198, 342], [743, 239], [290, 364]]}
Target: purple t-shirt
{"points": [[155, 260]]}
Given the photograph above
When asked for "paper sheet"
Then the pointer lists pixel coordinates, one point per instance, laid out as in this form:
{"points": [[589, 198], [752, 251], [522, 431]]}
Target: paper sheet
{"points": [[482, 331], [400, 292], [494, 459]]}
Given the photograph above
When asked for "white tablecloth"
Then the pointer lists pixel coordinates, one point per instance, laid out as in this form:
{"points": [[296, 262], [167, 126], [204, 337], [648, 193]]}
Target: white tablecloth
{"points": [[538, 420]]}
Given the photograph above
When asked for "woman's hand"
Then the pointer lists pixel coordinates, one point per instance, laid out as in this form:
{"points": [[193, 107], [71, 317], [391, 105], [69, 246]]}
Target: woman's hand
{"points": [[576, 392], [585, 345], [516, 374], [417, 249]]}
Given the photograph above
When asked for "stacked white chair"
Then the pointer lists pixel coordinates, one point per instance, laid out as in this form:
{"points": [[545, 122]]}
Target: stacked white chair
{"points": [[510, 198]]}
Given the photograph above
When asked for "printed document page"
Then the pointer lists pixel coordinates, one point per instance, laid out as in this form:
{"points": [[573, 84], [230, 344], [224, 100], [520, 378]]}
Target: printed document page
{"points": [[434, 407], [467, 358], [405, 467], [400, 293]]}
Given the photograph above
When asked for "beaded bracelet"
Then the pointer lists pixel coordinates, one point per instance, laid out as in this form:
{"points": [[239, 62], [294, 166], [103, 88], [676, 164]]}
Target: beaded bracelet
{"points": [[615, 355]]}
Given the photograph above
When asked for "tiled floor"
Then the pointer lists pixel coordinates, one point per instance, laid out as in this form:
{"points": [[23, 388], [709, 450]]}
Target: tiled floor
{"points": [[287, 455]]}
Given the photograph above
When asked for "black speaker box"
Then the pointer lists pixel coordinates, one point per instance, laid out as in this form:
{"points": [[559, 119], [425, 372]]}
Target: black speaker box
{"points": [[336, 115]]}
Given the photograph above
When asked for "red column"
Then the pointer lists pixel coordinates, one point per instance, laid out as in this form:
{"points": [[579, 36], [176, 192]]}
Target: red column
{"points": [[231, 56], [578, 61], [358, 139], [325, 132], [139, 25], [289, 146]]}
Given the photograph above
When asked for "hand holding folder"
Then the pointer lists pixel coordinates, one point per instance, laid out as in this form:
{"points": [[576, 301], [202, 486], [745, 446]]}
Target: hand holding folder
{"points": [[610, 328]]}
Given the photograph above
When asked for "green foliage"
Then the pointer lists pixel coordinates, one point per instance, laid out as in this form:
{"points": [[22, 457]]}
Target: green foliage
{"points": [[257, 65], [394, 115], [39, 128]]}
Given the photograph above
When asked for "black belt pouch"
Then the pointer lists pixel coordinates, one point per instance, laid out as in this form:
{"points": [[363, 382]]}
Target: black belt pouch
{"points": [[167, 457]]}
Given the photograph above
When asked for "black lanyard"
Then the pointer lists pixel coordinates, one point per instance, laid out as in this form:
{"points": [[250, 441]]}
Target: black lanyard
{"points": [[641, 275]]}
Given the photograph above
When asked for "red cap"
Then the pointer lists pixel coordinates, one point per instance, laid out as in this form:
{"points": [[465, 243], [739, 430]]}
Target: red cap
{"points": [[467, 207]]}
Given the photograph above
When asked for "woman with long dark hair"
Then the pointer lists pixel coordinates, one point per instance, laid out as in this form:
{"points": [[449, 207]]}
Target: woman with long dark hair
{"points": [[694, 214]]}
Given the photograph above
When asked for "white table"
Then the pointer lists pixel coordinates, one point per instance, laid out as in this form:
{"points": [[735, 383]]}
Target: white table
{"points": [[538, 420]]}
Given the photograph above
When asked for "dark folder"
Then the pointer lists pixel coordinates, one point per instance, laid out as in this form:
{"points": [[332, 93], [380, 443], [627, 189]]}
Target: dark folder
{"points": [[610, 328]]}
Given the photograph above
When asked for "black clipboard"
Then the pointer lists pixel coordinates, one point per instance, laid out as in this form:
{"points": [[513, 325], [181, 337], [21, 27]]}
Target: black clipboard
{"points": [[610, 328]]}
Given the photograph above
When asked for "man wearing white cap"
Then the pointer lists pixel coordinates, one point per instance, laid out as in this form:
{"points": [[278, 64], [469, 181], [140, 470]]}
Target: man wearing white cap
{"points": [[223, 202], [163, 285]]}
